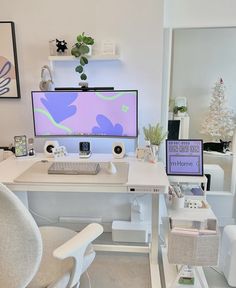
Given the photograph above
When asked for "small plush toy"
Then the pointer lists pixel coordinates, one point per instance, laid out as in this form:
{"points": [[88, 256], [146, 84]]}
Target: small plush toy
{"points": [[61, 45]]}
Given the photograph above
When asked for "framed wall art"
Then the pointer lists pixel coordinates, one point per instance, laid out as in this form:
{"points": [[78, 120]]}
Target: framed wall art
{"points": [[9, 76]]}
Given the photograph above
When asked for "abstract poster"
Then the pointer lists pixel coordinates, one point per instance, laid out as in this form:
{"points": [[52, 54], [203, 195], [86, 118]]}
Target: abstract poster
{"points": [[9, 77]]}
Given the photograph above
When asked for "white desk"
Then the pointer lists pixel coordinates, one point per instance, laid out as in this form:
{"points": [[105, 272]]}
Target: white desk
{"points": [[143, 177]]}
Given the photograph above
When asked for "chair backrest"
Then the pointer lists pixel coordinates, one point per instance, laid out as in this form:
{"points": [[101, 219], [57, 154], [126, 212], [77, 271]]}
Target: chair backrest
{"points": [[20, 242]]}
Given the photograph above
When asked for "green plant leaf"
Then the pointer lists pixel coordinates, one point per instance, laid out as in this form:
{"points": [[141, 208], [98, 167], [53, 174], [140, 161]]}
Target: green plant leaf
{"points": [[80, 38], [83, 76], [83, 49], [79, 69], [88, 40], [83, 60], [154, 134], [75, 52]]}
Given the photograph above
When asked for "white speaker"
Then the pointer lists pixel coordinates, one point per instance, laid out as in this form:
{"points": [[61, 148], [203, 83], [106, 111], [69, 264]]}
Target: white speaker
{"points": [[46, 83], [118, 150], [48, 147]]}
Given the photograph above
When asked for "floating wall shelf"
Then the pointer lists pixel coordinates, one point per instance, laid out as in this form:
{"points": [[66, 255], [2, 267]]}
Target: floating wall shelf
{"points": [[91, 58]]}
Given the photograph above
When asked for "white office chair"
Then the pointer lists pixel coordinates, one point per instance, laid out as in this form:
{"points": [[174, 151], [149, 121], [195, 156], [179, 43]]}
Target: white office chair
{"points": [[46, 257]]}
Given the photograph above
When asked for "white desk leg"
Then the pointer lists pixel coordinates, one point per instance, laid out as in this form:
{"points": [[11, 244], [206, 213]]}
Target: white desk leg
{"points": [[153, 257]]}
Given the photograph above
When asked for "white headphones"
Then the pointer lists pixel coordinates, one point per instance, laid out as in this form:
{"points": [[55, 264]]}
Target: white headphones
{"points": [[46, 84]]}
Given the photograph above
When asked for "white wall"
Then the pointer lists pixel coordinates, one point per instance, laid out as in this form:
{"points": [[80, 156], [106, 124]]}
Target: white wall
{"points": [[137, 32], [199, 13], [136, 27]]}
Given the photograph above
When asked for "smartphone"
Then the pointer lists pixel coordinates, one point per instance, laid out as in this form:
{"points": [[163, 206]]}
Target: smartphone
{"points": [[20, 146]]}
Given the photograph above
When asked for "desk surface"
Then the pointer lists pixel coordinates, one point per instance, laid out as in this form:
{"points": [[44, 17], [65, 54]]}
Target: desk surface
{"points": [[142, 176]]}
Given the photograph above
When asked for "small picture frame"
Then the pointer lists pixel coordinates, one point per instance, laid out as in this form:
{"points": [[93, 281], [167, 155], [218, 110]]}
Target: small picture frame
{"points": [[108, 48]]}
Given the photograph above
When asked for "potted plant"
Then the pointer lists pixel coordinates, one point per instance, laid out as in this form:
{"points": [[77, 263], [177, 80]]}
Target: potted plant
{"points": [[154, 134], [180, 110], [80, 50]]}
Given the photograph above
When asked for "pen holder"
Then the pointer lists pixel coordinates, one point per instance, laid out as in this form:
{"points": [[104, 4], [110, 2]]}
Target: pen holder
{"points": [[178, 202]]}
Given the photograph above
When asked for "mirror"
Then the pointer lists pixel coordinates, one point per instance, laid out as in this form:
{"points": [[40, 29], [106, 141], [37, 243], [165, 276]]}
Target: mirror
{"points": [[200, 57]]}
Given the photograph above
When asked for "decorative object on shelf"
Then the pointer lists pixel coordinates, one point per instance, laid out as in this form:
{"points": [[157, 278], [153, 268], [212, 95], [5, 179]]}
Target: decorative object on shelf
{"points": [[219, 122], [80, 50], [108, 48], [180, 110], [154, 135], [61, 46], [9, 78]]}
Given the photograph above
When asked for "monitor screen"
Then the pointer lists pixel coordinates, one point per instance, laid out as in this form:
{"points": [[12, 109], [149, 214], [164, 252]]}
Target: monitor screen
{"points": [[86, 113], [184, 157], [173, 129]]}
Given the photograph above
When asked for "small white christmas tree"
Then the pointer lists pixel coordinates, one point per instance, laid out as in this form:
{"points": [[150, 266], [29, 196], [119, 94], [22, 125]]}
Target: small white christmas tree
{"points": [[219, 122]]}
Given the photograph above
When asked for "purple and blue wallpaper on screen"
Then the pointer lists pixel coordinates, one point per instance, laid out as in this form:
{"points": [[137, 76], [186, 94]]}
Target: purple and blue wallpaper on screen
{"points": [[90, 113]]}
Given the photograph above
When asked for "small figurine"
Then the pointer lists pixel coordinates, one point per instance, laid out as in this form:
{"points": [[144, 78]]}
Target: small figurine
{"points": [[61, 46]]}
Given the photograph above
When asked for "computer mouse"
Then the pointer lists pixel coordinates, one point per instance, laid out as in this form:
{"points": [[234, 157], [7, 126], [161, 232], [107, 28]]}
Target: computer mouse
{"points": [[111, 169]]}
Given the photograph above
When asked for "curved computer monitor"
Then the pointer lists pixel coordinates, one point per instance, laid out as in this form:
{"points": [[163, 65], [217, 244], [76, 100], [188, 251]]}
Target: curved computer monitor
{"points": [[85, 113], [184, 157]]}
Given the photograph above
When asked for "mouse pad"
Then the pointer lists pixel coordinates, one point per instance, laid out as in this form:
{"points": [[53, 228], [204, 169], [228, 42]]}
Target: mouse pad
{"points": [[38, 173]]}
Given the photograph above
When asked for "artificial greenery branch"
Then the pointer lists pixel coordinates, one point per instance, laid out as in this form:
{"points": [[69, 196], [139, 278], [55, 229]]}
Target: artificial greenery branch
{"points": [[154, 134], [80, 50]]}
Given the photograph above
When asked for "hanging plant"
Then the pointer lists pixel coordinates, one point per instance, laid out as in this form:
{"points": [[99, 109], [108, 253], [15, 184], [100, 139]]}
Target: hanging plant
{"points": [[80, 50]]}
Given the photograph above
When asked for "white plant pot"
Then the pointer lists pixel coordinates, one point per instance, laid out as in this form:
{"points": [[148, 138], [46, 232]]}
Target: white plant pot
{"points": [[181, 114], [90, 50]]}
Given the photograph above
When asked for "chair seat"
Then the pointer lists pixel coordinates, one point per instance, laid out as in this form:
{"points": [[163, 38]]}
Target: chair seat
{"points": [[55, 273]]}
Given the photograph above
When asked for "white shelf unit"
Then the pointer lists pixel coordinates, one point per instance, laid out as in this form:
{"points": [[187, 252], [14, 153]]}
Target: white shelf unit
{"points": [[184, 126], [91, 58]]}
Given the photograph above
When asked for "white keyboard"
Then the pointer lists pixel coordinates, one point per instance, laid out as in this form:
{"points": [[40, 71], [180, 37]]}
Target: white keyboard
{"points": [[74, 168]]}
